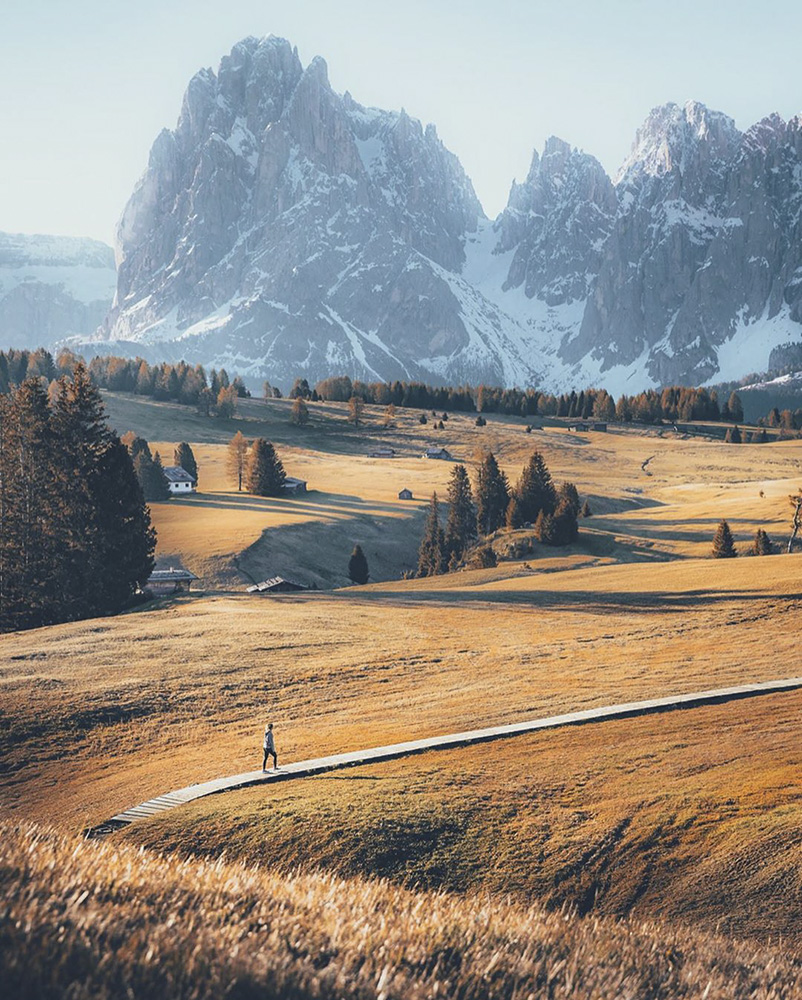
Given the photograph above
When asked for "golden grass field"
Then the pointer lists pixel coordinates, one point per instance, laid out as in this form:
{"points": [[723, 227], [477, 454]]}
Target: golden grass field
{"points": [[690, 818]]}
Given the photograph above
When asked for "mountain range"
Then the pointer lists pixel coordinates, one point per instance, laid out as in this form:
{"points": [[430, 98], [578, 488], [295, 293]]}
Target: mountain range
{"points": [[282, 229]]}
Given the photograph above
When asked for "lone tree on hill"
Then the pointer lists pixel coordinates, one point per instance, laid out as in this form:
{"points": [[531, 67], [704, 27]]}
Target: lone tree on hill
{"points": [[299, 415], [586, 511], [432, 554], [492, 495], [184, 457], [265, 472], [237, 458], [358, 566], [723, 543], [356, 407], [461, 521], [762, 544]]}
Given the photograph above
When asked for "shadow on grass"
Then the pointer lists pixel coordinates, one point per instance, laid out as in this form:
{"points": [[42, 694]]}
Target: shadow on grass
{"points": [[313, 502], [659, 602]]}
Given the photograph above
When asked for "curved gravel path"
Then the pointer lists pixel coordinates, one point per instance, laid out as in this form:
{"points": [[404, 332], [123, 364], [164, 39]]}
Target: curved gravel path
{"points": [[319, 765]]}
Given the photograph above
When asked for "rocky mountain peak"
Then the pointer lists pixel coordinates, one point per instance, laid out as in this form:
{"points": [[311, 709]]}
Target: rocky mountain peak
{"points": [[557, 222], [676, 139]]}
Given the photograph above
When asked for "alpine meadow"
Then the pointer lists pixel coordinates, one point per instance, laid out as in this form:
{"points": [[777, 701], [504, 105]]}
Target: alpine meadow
{"points": [[397, 602]]}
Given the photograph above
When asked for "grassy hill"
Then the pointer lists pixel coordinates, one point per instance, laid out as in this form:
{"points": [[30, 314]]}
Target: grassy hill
{"points": [[688, 818], [669, 510], [80, 919]]}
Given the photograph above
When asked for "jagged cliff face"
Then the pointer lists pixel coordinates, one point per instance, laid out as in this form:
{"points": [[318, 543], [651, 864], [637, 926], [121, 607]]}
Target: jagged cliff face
{"points": [[557, 223], [282, 229], [52, 287], [701, 273]]}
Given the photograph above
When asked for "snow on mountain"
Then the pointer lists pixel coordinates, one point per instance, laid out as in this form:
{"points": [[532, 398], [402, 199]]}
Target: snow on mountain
{"points": [[283, 229], [52, 287]]}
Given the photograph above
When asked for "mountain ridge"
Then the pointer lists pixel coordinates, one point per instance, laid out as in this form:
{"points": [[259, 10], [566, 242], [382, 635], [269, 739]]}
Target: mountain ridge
{"points": [[282, 229]]}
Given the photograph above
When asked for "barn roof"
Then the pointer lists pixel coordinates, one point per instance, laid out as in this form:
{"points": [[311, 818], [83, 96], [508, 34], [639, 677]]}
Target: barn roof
{"points": [[176, 474], [170, 575], [272, 583]]}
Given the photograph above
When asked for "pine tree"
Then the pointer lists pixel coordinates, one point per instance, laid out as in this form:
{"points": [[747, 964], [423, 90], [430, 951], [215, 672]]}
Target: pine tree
{"points": [[586, 511], [358, 566], [733, 435], [762, 545], [570, 493], [431, 554], [158, 488], [227, 402], [299, 415], [75, 536], [237, 458], [150, 476], [185, 457], [126, 539], [535, 489], [461, 521], [565, 528], [544, 530], [79, 420], [736, 408], [265, 472], [205, 402], [32, 518], [492, 495], [723, 543], [514, 516]]}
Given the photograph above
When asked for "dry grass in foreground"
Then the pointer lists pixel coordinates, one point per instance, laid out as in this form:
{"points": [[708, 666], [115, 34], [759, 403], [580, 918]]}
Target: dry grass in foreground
{"points": [[84, 920], [690, 816]]}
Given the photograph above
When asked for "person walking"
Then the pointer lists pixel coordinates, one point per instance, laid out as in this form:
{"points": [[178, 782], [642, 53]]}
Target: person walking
{"points": [[270, 748]]}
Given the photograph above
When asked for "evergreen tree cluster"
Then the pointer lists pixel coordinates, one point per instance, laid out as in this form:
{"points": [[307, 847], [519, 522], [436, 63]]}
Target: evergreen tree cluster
{"points": [[762, 545], [492, 504], [75, 532], [180, 382], [148, 468]]}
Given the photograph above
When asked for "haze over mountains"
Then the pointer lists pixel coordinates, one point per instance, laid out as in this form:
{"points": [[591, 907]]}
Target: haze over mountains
{"points": [[52, 287], [283, 229]]}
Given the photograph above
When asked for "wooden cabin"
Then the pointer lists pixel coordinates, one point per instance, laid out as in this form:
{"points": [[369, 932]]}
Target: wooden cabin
{"points": [[170, 581], [276, 585]]}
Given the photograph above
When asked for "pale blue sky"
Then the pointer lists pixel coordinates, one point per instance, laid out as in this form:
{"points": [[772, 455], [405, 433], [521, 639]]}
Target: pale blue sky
{"points": [[85, 85]]}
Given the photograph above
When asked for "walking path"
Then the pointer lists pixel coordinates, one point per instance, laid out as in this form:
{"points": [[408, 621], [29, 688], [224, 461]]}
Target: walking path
{"points": [[319, 765]]}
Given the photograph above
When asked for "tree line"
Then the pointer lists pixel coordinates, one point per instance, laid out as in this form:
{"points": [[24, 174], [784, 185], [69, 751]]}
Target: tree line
{"points": [[75, 533], [214, 393], [181, 382]]}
